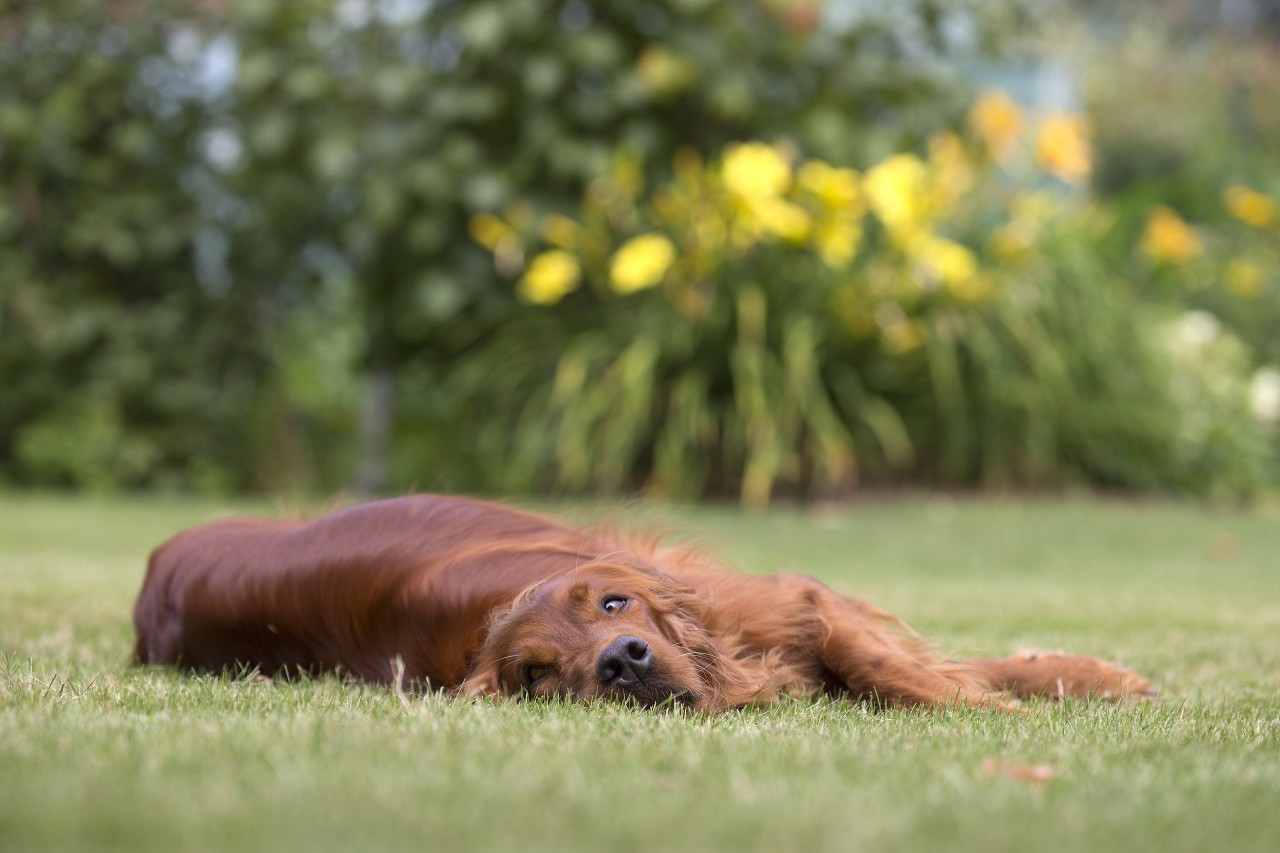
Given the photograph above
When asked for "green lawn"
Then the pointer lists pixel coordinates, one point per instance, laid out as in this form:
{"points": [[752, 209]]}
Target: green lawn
{"points": [[94, 754]]}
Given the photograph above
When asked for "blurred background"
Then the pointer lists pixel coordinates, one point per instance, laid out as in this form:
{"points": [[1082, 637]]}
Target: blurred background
{"points": [[761, 250]]}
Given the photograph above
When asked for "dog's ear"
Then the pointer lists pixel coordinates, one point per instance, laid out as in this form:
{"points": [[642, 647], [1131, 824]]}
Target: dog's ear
{"points": [[677, 605], [483, 681], [485, 678], [680, 614]]}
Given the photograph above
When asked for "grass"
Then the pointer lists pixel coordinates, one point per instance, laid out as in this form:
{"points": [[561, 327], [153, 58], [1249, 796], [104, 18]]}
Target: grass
{"points": [[95, 754]]}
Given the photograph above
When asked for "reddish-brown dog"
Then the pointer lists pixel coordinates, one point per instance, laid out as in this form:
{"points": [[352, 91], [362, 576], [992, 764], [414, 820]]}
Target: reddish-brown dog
{"points": [[479, 598]]}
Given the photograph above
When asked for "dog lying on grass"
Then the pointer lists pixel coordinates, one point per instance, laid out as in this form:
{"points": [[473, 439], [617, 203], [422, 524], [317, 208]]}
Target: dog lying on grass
{"points": [[477, 598]]}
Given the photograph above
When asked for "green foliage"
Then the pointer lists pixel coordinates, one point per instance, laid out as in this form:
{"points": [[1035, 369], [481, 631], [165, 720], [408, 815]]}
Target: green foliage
{"points": [[167, 239], [375, 135], [1204, 123], [195, 267], [118, 370], [749, 329], [1200, 148]]}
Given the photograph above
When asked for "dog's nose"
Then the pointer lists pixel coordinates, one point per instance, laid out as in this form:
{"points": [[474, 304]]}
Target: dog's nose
{"points": [[624, 663]]}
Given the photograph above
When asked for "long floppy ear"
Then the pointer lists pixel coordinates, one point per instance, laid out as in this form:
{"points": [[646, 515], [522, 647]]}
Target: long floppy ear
{"points": [[483, 681], [486, 671], [681, 612], [485, 678]]}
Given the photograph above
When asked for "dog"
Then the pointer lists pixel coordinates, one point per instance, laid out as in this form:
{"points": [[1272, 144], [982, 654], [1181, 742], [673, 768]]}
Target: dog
{"points": [[479, 599]]}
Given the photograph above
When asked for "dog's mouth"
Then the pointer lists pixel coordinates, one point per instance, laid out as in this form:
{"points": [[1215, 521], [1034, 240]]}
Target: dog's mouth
{"points": [[654, 693]]}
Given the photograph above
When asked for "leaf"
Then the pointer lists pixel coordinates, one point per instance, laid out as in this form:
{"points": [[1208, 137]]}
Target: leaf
{"points": [[1035, 775]]}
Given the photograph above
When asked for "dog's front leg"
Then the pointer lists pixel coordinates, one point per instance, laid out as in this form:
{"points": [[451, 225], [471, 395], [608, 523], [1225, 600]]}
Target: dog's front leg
{"points": [[870, 653]]}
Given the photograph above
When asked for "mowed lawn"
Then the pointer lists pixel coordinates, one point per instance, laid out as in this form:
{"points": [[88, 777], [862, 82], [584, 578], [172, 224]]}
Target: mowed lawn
{"points": [[97, 755]]}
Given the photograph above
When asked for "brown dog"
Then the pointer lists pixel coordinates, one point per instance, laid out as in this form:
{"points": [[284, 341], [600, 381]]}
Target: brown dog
{"points": [[479, 598]]}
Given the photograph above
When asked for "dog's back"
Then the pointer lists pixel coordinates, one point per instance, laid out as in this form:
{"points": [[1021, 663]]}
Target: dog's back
{"points": [[412, 577]]}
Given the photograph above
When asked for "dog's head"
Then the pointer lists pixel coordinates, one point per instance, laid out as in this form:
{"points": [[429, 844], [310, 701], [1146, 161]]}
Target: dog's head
{"points": [[605, 630]]}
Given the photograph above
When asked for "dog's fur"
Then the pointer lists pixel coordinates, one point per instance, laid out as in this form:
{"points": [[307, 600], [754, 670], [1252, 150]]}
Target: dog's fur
{"points": [[478, 598]]}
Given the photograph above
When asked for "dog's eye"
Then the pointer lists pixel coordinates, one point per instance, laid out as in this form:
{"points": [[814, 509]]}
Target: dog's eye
{"points": [[614, 604], [533, 673]]}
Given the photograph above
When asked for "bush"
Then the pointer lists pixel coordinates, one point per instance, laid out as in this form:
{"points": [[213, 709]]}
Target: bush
{"points": [[770, 323], [194, 271], [184, 188], [119, 368]]}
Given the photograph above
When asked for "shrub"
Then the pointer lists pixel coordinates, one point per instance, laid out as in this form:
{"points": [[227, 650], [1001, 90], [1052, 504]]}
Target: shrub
{"points": [[766, 322], [183, 185]]}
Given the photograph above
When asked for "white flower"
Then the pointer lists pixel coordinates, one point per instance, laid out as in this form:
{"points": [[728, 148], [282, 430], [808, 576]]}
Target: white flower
{"points": [[1193, 332], [1264, 396]]}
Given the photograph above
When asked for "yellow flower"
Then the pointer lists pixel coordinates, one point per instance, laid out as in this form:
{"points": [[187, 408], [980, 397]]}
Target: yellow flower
{"points": [[1243, 278], [1249, 206], [947, 151], [835, 188], [895, 188], [664, 72], [997, 121], [488, 230], [500, 239], [560, 230], [1062, 148], [641, 262], [837, 241], [550, 276], [777, 216], [951, 174], [1013, 240], [902, 336], [1036, 207], [755, 170], [954, 264], [1029, 212], [1168, 239]]}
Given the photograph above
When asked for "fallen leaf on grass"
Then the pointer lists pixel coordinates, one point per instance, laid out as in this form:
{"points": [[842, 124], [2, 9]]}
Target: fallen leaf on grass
{"points": [[1226, 547], [1031, 774]]}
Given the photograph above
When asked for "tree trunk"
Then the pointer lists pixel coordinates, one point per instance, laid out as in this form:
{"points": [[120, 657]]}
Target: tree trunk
{"points": [[377, 414]]}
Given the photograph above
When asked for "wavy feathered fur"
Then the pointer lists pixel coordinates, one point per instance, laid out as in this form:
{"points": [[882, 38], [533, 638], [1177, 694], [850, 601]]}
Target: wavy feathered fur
{"points": [[478, 598]]}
